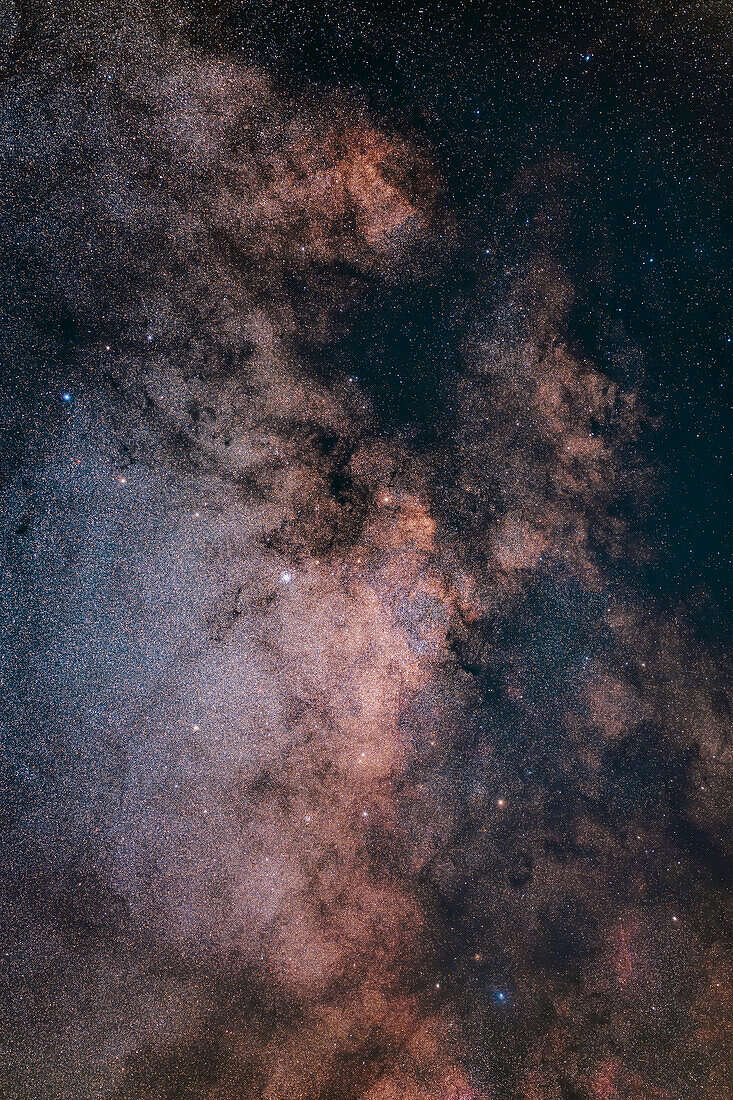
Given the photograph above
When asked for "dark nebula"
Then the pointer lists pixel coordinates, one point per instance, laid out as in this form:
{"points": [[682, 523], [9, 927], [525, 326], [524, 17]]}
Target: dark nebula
{"points": [[366, 617]]}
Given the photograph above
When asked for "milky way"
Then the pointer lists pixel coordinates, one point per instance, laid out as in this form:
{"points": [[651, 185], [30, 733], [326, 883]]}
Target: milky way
{"points": [[352, 747]]}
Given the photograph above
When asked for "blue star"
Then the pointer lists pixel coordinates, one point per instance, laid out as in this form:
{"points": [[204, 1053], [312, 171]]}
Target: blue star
{"points": [[66, 397]]}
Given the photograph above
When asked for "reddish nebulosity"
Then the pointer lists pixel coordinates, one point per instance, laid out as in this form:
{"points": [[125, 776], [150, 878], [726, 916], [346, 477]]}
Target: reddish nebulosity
{"points": [[319, 799], [611, 1081], [543, 436], [342, 192], [624, 952], [603, 1083], [518, 545], [612, 705], [359, 184]]}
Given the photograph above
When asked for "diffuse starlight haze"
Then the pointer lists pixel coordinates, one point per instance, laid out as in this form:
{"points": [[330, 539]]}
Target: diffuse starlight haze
{"points": [[363, 736]]}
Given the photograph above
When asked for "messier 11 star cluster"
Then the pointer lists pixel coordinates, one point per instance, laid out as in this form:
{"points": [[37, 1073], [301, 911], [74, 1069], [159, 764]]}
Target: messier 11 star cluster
{"points": [[365, 616]]}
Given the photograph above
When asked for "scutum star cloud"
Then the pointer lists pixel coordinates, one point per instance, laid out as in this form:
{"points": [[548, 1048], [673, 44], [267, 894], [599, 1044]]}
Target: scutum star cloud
{"points": [[338, 764]]}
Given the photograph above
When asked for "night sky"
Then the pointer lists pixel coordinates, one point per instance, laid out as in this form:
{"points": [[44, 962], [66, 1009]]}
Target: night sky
{"points": [[366, 517]]}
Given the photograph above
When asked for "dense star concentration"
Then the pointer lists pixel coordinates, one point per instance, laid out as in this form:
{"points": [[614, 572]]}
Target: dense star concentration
{"points": [[365, 516]]}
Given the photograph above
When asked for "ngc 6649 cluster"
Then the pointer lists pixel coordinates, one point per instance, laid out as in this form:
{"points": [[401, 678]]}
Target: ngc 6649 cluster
{"points": [[353, 748]]}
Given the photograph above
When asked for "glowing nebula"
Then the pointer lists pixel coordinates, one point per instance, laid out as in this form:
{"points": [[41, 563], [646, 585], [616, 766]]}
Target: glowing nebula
{"points": [[339, 765]]}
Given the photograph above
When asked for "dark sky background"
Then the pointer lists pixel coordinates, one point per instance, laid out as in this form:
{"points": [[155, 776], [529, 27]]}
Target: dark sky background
{"points": [[637, 99], [366, 591]]}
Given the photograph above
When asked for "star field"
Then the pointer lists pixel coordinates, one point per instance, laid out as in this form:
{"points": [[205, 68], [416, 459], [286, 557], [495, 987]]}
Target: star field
{"points": [[365, 726]]}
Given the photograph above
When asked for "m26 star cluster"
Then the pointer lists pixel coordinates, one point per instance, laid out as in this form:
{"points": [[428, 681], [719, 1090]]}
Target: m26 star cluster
{"points": [[365, 729]]}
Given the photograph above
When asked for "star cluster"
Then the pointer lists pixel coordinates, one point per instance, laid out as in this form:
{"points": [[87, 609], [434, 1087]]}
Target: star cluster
{"points": [[365, 731]]}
